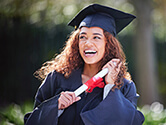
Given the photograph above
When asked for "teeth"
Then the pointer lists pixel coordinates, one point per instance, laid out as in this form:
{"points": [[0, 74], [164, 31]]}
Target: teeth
{"points": [[90, 52]]}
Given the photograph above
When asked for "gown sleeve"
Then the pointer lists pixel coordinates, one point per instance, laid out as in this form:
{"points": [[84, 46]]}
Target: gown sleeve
{"points": [[46, 104], [118, 108]]}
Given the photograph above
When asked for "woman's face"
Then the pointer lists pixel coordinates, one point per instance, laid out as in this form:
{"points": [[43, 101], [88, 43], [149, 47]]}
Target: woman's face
{"points": [[91, 44]]}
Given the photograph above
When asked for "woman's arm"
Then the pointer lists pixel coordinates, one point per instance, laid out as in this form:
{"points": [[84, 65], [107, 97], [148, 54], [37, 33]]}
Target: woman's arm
{"points": [[46, 104], [118, 108]]}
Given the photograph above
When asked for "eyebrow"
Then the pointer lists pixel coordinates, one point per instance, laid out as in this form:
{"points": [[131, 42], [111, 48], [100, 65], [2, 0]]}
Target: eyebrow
{"points": [[83, 33], [93, 33], [97, 34]]}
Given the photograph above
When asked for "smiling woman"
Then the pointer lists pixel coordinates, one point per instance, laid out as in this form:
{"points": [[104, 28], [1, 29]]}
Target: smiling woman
{"points": [[91, 48]]}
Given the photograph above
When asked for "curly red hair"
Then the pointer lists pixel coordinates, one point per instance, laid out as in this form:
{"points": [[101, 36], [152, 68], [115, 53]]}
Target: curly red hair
{"points": [[70, 59]]}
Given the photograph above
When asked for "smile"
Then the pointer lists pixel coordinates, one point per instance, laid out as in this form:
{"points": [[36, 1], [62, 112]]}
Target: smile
{"points": [[90, 52]]}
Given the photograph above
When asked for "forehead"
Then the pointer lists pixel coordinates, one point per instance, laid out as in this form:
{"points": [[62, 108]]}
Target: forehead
{"points": [[91, 30]]}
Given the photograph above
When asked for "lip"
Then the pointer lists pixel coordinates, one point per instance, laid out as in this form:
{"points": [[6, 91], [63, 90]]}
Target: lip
{"points": [[90, 53]]}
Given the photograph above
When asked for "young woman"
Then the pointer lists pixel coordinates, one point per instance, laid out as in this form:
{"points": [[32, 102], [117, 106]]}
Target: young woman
{"points": [[91, 48]]}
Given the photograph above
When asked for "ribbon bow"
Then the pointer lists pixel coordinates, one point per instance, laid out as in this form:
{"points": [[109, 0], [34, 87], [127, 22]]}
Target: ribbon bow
{"points": [[94, 82]]}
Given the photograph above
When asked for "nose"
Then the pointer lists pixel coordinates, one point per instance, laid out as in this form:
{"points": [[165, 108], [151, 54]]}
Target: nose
{"points": [[88, 42]]}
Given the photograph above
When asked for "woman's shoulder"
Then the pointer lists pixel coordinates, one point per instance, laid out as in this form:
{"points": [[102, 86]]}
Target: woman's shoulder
{"points": [[55, 77], [74, 73]]}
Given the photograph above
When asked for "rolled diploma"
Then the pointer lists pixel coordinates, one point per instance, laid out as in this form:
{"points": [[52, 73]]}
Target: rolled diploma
{"points": [[84, 87]]}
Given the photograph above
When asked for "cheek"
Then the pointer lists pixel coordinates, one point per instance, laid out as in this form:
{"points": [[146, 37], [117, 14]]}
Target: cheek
{"points": [[79, 44], [103, 52], [80, 47], [102, 48]]}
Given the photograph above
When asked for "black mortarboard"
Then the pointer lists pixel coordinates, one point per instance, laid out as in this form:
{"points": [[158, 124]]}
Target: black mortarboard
{"points": [[107, 18]]}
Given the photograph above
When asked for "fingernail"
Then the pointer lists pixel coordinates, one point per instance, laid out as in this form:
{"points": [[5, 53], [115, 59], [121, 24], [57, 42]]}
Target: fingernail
{"points": [[79, 98]]}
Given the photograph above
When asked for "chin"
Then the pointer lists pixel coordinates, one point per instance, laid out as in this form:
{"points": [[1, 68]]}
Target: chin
{"points": [[91, 62]]}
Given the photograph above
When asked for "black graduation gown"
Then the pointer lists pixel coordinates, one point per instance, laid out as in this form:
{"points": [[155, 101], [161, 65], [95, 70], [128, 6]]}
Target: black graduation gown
{"points": [[118, 108]]}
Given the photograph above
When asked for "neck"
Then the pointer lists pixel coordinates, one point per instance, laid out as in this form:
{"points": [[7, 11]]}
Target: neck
{"points": [[90, 70]]}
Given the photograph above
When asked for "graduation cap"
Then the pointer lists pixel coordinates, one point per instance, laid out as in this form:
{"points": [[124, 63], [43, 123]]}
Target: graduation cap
{"points": [[107, 18]]}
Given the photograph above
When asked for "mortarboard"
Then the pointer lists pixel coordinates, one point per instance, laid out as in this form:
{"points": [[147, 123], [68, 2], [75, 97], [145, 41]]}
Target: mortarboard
{"points": [[109, 19]]}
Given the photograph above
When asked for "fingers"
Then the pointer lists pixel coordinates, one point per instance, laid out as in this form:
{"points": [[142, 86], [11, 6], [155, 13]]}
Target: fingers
{"points": [[114, 69], [113, 63], [118, 67], [66, 99]]}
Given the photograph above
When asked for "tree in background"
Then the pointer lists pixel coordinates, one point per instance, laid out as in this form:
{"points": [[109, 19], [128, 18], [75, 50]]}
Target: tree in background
{"points": [[150, 23], [146, 71]]}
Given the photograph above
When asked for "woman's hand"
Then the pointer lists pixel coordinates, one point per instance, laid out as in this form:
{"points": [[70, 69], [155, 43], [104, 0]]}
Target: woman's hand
{"points": [[66, 99], [113, 70]]}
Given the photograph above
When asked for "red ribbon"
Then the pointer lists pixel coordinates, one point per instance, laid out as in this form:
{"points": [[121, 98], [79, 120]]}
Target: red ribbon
{"points": [[94, 82]]}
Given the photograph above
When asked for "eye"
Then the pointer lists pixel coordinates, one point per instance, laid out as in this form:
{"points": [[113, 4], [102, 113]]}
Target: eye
{"points": [[96, 37], [82, 37]]}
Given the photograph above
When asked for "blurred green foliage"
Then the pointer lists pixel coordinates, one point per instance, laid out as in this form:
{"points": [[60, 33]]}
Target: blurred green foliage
{"points": [[14, 114], [155, 114]]}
